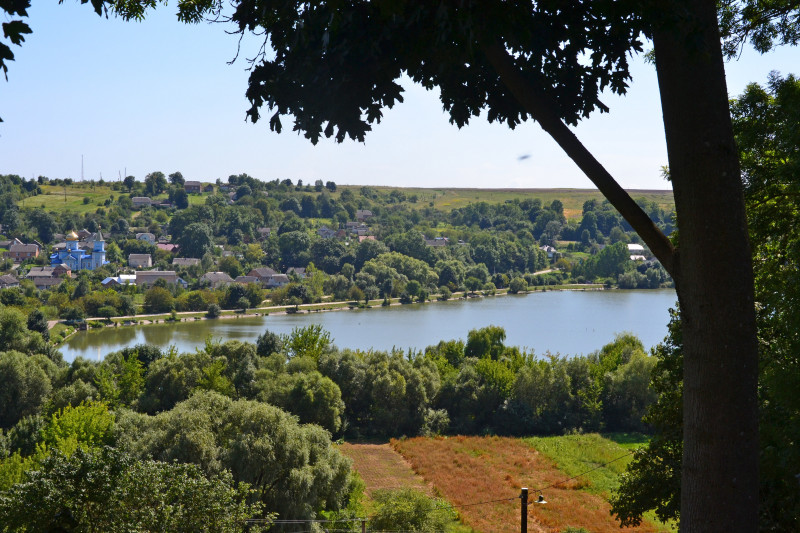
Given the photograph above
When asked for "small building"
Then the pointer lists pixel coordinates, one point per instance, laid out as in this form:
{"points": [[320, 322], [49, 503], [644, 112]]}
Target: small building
{"points": [[44, 277], [7, 243], [140, 261], [216, 279], [362, 238], [185, 262], [122, 279], [636, 252], [363, 214], [300, 272], [263, 233], [20, 252], [168, 247], [193, 187], [278, 280], [549, 250], [263, 274], [149, 277], [244, 280], [436, 242], [8, 281], [62, 270], [147, 237], [326, 232], [139, 202]]}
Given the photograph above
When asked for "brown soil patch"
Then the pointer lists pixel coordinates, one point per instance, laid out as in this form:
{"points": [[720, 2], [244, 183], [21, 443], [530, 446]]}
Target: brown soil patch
{"points": [[383, 468], [469, 470]]}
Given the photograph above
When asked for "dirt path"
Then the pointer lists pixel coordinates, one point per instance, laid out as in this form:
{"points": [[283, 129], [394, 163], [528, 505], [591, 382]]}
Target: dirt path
{"points": [[383, 468]]}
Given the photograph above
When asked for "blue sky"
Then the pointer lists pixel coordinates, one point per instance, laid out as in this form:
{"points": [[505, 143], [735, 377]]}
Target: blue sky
{"points": [[159, 95]]}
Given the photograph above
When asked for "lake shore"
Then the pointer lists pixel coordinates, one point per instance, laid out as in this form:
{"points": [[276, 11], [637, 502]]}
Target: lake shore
{"points": [[567, 321], [278, 310]]}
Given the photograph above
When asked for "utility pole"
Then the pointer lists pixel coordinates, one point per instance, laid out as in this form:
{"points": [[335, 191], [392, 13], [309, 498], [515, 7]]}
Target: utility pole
{"points": [[363, 526], [523, 510]]}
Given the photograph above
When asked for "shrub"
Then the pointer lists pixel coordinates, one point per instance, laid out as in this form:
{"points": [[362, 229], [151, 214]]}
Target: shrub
{"points": [[213, 311], [409, 510], [517, 285]]}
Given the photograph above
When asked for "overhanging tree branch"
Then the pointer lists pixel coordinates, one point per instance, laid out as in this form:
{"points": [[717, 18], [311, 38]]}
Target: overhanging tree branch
{"points": [[537, 105]]}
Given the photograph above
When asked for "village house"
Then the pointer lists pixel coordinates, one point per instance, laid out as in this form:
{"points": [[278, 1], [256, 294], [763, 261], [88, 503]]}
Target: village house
{"points": [[278, 280], [147, 237], [263, 233], [193, 187], [549, 250], [244, 280], [7, 243], [122, 279], [62, 270], [363, 214], [262, 274], [167, 247], [185, 262], [140, 261], [636, 252], [216, 279], [149, 277], [436, 241], [20, 252], [46, 277], [300, 272], [8, 281], [326, 233], [141, 201]]}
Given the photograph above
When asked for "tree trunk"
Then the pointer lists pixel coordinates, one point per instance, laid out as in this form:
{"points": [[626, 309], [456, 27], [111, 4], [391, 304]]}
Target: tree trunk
{"points": [[714, 278]]}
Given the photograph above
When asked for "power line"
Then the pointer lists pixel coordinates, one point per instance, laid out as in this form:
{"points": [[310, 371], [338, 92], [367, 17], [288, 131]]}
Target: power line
{"points": [[458, 506], [442, 507], [584, 473]]}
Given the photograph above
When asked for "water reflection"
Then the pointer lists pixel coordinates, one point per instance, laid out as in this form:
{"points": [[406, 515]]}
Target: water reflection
{"points": [[564, 322]]}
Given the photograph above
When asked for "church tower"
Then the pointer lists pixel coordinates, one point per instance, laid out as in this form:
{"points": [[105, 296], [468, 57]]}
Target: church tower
{"points": [[98, 252]]}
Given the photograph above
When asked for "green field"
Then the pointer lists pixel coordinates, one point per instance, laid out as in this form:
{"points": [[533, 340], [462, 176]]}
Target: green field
{"points": [[71, 197], [448, 199]]}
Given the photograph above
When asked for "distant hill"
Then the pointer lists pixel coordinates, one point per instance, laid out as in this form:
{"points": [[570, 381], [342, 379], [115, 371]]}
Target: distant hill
{"points": [[83, 197]]}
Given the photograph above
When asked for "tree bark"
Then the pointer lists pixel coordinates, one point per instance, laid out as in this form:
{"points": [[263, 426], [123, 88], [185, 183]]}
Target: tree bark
{"points": [[714, 277]]}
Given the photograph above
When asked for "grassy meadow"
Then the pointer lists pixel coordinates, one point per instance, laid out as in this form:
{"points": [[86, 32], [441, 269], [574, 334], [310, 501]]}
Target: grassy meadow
{"points": [[447, 199]]}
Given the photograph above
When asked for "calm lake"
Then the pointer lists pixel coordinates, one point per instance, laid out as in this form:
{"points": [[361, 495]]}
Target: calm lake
{"points": [[566, 322]]}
